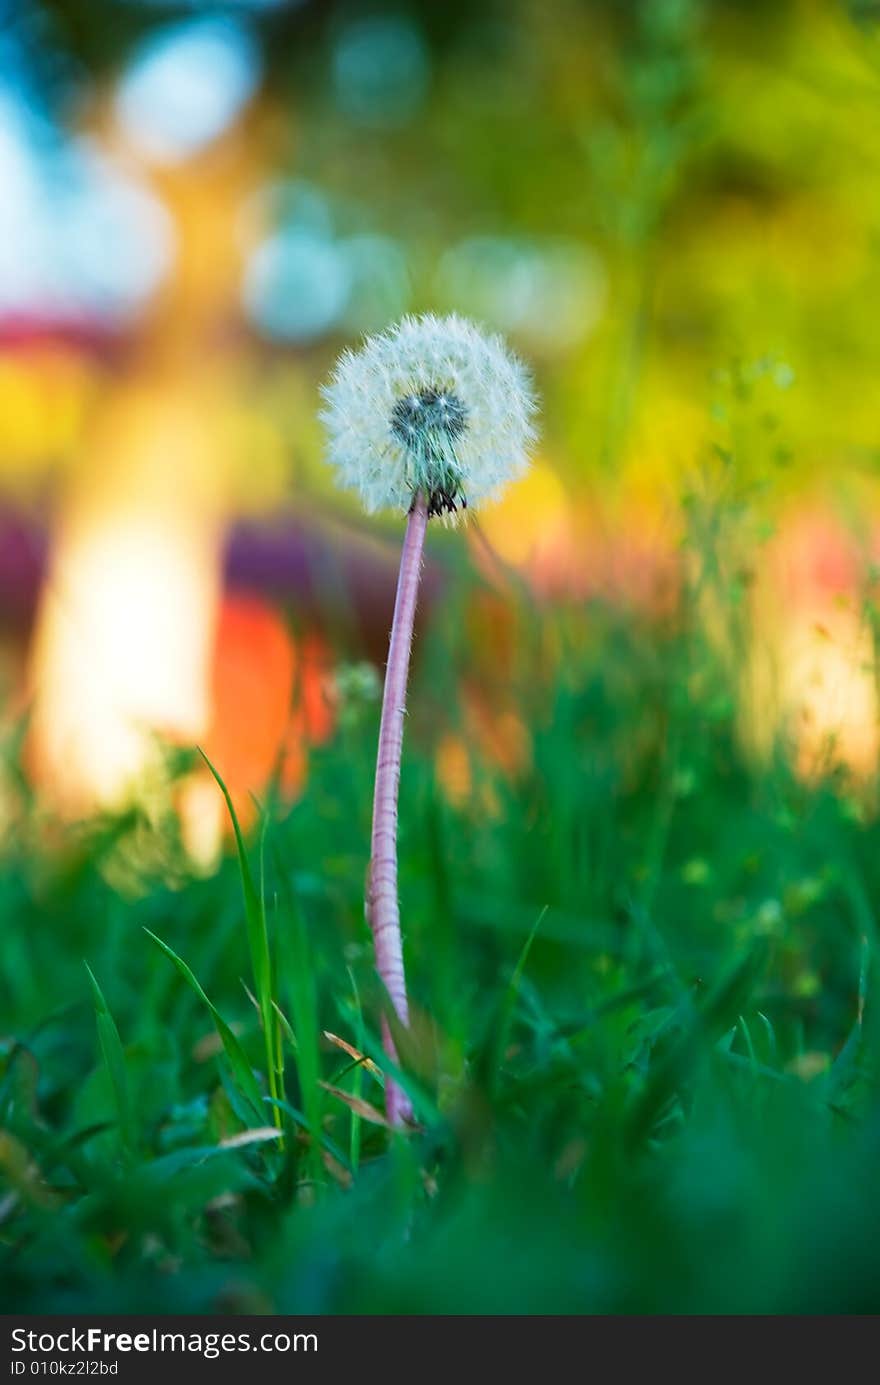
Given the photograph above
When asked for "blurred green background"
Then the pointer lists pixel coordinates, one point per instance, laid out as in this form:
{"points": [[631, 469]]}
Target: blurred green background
{"points": [[639, 818]]}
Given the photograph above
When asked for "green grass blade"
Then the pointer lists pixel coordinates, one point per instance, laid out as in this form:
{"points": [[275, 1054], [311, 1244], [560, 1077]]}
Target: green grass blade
{"points": [[297, 971], [702, 1028], [235, 1054], [114, 1060], [508, 1003], [258, 940]]}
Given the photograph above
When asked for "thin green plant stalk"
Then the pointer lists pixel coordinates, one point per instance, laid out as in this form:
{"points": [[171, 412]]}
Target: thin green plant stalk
{"points": [[269, 1011]]}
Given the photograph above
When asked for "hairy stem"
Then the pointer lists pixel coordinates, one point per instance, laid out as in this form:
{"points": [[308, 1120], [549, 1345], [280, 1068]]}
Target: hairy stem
{"points": [[383, 909]]}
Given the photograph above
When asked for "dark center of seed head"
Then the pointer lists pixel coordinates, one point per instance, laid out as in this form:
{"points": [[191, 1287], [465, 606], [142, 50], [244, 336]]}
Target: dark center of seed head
{"points": [[417, 418]]}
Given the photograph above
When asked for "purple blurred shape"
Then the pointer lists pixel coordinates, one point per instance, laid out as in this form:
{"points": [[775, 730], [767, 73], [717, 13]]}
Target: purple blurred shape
{"points": [[342, 581], [23, 550]]}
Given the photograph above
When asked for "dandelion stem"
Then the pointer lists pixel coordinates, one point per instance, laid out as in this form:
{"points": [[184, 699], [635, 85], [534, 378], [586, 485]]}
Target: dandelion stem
{"points": [[383, 909]]}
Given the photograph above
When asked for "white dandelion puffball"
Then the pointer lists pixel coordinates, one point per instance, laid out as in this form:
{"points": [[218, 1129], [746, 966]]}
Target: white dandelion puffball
{"points": [[431, 405]]}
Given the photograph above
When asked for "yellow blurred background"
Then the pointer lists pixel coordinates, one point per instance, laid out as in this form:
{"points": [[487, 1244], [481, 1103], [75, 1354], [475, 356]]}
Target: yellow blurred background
{"points": [[672, 208]]}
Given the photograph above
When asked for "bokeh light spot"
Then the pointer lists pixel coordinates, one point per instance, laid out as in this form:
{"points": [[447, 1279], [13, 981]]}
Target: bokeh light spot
{"points": [[296, 285], [552, 292], [380, 284], [118, 239], [381, 70], [186, 86], [78, 236]]}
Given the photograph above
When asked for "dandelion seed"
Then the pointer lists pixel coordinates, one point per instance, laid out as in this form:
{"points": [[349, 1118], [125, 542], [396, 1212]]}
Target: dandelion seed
{"points": [[429, 418]]}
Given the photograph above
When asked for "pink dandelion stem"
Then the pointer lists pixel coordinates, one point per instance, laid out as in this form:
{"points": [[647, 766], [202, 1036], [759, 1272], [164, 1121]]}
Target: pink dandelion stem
{"points": [[383, 908]]}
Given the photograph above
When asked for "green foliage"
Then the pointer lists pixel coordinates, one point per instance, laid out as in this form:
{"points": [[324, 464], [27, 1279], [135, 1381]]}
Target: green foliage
{"points": [[645, 1035]]}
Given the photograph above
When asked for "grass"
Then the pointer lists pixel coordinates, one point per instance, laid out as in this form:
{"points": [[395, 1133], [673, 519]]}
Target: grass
{"points": [[644, 1054]]}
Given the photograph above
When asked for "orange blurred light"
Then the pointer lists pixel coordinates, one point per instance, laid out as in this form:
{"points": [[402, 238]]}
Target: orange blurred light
{"points": [[572, 547], [813, 665], [269, 701]]}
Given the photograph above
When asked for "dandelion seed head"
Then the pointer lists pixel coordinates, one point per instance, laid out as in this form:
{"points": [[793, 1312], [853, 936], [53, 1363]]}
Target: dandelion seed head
{"points": [[431, 405]]}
